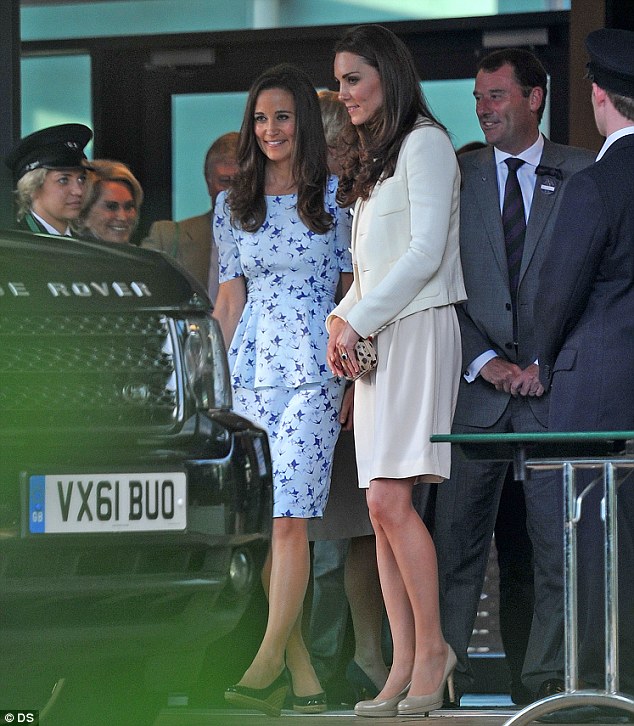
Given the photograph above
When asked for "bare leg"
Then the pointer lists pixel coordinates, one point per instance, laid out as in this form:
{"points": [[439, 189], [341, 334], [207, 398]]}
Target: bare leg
{"points": [[285, 578], [366, 607], [409, 580], [303, 676]]}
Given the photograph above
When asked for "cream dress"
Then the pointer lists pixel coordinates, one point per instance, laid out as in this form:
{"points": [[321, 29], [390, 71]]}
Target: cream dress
{"points": [[410, 396]]}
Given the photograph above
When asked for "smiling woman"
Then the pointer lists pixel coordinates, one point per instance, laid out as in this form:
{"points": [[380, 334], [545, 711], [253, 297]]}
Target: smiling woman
{"points": [[111, 204], [283, 247]]}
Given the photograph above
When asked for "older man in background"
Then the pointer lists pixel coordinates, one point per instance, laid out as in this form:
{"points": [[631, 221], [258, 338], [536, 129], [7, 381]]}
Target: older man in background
{"points": [[508, 203], [190, 241]]}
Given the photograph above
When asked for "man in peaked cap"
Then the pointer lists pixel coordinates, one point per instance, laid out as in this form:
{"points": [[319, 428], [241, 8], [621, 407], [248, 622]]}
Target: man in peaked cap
{"points": [[49, 167], [585, 315]]}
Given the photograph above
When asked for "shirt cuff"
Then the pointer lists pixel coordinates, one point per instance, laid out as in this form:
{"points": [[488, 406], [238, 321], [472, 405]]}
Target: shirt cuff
{"points": [[474, 368]]}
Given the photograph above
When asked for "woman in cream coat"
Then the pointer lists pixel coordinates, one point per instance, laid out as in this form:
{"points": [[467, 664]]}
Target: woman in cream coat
{"points": [[403, 176]]}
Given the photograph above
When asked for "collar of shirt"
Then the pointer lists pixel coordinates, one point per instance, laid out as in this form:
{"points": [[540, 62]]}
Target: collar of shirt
{"points": [[625, 131], [48, 228], [525, 174]]}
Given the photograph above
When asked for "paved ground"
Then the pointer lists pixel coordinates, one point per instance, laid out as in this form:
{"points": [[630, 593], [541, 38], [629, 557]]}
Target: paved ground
{"points": [[478, 711], [236, 717]]}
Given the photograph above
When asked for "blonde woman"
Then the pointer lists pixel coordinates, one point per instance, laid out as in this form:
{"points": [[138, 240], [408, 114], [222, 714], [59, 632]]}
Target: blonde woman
{"points": [[110, 212]]}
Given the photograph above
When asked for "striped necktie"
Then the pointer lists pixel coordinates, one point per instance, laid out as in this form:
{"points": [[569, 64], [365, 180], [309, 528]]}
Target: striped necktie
{"points": [[514, 224]]}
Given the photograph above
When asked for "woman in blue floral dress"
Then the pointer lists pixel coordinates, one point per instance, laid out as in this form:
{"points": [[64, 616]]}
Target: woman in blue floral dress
{"points": [[283, 244]]}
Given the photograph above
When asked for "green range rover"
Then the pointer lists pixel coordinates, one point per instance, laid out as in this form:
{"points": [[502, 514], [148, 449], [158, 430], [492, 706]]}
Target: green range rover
{"points": [[135, 507]]}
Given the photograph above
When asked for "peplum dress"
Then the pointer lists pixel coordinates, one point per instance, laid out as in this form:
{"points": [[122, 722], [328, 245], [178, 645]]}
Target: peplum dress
{"points": [[277, 357]]}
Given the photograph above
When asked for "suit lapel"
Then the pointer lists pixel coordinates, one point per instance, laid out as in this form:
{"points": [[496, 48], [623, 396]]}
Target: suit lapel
{"points": [[353, 239], [541, 208], [542, 205], [488, 199], [355, 224]]}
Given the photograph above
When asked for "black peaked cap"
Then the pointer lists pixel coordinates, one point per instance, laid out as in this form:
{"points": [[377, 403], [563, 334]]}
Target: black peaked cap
{"points": [[55, 147], [611, 64]]}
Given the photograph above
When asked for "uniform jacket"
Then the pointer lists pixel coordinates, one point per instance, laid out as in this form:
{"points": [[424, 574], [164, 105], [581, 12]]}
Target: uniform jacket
{"points": [[585, 309], [190, 242], [30, 224], [486, 320], [409, 259]]}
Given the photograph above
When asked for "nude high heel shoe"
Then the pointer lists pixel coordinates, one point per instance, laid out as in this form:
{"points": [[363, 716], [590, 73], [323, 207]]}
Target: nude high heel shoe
{"points": [[422, 705], [381, 709]]}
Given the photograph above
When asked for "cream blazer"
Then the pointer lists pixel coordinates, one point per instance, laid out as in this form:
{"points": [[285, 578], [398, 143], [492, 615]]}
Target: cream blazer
{"points": [[408, 259]]}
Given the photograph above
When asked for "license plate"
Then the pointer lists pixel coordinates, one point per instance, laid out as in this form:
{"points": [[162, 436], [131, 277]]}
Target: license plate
{"points": [[93, 503]]}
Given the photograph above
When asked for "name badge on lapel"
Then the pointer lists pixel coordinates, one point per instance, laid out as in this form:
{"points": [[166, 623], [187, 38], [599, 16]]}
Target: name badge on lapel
{"points": [[549, 178]]}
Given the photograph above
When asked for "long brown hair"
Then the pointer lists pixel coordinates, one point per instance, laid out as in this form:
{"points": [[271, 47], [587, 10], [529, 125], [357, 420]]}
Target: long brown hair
{"points": [[246, 197], [380, 138]]}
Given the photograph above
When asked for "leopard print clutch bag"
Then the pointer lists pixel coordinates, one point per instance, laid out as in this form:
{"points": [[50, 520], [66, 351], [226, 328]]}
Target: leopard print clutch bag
{"points": [[366, 357]]}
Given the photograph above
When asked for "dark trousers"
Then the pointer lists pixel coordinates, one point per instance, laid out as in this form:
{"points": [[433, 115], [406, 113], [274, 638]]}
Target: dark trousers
{"points": [[591, 604], [515, 567], [515, 563], [465, 517]]}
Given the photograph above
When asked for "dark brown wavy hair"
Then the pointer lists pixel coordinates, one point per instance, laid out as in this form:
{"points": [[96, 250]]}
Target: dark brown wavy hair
{"points": [[374, 153], [246, 197]]}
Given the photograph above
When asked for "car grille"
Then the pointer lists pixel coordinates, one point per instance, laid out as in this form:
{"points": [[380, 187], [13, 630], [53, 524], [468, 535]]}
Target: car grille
{"points": [[71, 370]]}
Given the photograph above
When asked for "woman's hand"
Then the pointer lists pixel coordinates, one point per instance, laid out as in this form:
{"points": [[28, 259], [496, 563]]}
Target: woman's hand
{"points": [[332, 355], [340, 354]]}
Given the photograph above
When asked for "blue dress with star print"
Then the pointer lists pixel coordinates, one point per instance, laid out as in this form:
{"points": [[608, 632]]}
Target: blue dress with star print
{"points": [[277, 356]]}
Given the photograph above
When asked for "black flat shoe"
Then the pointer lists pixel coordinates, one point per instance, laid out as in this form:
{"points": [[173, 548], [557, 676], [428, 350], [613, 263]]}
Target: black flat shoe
{"points": [[520, 695], [269, 700], [551, 687], [310, 704], [364, 687]]}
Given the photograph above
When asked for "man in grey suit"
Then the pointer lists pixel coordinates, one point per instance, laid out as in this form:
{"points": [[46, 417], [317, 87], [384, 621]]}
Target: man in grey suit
{"points": [[190, 241], [504, 235]]}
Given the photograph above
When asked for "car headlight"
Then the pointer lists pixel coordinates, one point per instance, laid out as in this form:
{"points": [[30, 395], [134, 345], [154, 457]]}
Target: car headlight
{"points": [[205, 362]]}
